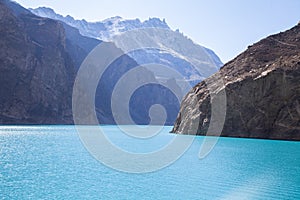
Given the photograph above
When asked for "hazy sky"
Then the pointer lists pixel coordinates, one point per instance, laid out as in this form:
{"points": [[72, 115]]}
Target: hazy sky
{"points": [[225, 26]]}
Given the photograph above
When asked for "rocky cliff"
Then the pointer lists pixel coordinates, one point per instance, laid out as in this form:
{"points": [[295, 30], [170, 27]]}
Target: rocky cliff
{"points": [[36, 73], [262, 87]]}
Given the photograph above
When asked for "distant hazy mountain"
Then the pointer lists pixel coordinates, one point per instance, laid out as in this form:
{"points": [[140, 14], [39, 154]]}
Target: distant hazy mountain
{"points": [[39, 58], [102, 30], [177, 51]]}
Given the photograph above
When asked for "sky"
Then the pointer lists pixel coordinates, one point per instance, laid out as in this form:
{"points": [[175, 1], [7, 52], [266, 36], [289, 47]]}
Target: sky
{"points": [[227, 27]]}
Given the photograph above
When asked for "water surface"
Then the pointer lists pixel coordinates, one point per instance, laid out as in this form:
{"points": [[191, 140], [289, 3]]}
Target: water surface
{"points": [[50, 162]]}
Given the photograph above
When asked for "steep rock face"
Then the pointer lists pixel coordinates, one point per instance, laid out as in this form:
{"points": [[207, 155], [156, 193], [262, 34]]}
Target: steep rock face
{"points": [[36, 73], [78, 46], [262, 86]]}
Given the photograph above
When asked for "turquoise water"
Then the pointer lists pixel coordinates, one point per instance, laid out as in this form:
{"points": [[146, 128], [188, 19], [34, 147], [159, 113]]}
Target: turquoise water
{"points": [[50, 162]]}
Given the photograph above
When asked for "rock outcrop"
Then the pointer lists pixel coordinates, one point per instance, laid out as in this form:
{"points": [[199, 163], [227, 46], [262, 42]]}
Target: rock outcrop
{"points": [[262, 87]]}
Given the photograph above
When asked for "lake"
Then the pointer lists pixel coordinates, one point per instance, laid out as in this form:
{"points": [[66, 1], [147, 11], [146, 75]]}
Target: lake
{"points": [[51, 162]]}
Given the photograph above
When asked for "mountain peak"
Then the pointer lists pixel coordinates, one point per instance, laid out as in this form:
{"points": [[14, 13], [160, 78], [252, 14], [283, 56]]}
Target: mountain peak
{"points": [[116, 18], [46, 12], [107, 29], [46, 9], [43, 9], [104, 29], [156, 22], [153, 22]]}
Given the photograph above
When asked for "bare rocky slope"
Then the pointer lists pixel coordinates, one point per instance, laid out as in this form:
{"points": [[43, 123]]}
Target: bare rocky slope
{"points": [[36, 73], [262, 87]]}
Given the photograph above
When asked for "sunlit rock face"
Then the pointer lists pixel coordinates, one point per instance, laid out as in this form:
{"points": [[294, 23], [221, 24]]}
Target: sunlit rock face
{"points": [[262, 87]]}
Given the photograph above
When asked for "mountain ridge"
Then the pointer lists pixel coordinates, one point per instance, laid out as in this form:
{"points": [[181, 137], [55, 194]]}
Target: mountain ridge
{"points": [[39, 59], [100, 26], [113, 27]]}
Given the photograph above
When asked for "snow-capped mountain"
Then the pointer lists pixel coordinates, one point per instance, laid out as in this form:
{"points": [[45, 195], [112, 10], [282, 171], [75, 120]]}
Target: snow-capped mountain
{"points": [[102, 30], [169, 48]]}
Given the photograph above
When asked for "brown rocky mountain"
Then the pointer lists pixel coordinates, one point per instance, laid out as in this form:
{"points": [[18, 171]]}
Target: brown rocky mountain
{"points": [[262, 87]]}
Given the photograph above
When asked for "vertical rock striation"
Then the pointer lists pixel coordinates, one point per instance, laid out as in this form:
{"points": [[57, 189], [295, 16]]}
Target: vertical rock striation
{"points": [[36, 73]]}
